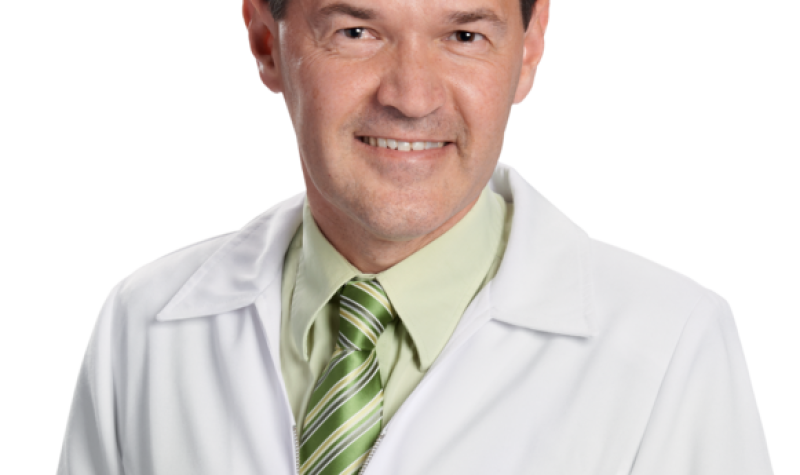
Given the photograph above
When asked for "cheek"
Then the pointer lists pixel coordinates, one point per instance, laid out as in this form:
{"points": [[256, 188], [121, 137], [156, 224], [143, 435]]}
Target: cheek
{"points": [[302, 93], [331, 92], [483, 98], [331, 107], [329, 98]]}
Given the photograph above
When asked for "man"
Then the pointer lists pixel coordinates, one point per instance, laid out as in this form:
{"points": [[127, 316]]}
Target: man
{"points": [[421, 310]]}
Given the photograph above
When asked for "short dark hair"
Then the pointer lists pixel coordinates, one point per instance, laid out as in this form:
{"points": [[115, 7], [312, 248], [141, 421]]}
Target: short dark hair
{"points": [[278, 9]]}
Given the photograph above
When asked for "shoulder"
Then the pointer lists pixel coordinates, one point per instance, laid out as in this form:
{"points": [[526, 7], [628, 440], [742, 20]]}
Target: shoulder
{"points": [[126, 319], [637, 297], [147, 290], [618, 271], [223, 271]]}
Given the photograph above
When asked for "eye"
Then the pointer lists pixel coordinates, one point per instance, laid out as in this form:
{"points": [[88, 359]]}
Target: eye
{"points": [[357, 33], [466, 36]]}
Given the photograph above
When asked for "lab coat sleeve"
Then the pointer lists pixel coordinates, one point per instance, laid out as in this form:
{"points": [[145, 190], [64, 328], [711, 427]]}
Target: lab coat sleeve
{"points": [[704, 420], [90, 445]]}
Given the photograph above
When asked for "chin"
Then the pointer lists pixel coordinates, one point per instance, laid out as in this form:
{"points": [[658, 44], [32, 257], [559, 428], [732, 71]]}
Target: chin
{"points": [[402, 221]]}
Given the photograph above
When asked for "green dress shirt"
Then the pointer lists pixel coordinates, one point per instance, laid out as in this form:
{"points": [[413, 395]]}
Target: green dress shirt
{"points": [[429, 290]]}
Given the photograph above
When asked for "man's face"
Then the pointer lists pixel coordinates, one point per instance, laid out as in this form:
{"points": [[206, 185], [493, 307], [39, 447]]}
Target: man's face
{"points": [[365, 80]]}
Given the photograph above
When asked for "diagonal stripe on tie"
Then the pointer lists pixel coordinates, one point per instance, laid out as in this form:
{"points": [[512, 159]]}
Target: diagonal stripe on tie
{"points": [[346, 407]]}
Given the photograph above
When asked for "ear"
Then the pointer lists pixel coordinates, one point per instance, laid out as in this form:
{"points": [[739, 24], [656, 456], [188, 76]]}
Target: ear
{"points": [[262, 31], [533, 48]]}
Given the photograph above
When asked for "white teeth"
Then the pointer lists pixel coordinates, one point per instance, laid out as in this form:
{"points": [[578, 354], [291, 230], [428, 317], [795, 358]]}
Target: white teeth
{"points": [[400, 145]]}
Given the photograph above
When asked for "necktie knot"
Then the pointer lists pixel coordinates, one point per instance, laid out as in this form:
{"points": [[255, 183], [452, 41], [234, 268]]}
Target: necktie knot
{"points": [[364, 313]]}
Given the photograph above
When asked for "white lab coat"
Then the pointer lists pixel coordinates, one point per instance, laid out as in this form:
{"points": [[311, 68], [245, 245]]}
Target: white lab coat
{"points": [[577, 359]]}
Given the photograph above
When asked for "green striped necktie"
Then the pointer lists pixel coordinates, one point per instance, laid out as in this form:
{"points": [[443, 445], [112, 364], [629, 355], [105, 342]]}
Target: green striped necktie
{"points": [[346, 407]]}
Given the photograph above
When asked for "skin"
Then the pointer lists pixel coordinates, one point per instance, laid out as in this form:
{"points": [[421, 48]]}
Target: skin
{"points": [[415, 70]]}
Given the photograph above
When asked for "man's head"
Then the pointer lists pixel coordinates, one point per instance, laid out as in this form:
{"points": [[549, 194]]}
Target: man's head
{"points": [[356, 72]]}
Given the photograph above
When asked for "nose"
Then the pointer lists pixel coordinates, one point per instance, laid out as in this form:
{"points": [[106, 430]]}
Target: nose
{"points": [[412, 81]]}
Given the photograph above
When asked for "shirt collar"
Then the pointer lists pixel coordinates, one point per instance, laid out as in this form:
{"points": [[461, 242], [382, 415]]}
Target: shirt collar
{"points": [[543, 283], [321, 273], [422, 288], [431, 288]]}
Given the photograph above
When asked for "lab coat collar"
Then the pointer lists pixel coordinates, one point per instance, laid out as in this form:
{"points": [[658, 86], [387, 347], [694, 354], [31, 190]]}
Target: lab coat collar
{"points": [[544, 280], [542, 284], [244, 266]]}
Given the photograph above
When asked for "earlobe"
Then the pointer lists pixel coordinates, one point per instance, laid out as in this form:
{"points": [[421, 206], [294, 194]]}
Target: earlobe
{"points": [[260, 26]]}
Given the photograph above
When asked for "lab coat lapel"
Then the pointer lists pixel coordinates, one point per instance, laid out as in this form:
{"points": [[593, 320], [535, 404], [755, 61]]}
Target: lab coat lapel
{"points": [[246, 270]]}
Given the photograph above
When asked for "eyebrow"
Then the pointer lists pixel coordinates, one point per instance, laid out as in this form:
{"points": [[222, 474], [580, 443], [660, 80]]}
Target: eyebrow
{"points": [[472, 16], [348, 10], [454, 17]]}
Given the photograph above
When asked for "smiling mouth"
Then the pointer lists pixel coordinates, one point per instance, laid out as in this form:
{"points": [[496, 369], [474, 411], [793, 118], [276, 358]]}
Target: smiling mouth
{"points": [[400, 145]]}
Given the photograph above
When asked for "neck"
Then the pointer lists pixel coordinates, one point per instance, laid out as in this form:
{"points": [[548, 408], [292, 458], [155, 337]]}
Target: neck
{"points": [[366, 251]]}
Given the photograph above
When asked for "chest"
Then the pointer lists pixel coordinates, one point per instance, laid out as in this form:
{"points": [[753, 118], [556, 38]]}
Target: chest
{"points": [[206, 397]]}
